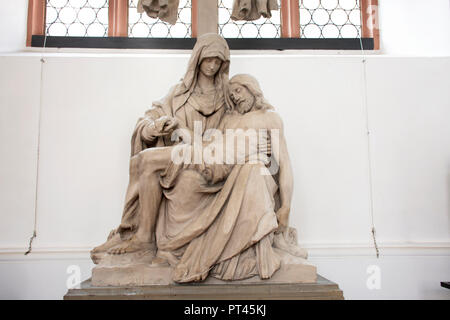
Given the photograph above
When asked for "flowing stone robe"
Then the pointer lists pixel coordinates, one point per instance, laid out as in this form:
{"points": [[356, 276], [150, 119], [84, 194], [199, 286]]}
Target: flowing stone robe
{"points": [[228, 232], [231, 237]]}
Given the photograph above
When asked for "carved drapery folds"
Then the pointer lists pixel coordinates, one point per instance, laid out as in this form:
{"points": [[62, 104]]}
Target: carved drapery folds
{"points": [[250, 10], [166, 10]]}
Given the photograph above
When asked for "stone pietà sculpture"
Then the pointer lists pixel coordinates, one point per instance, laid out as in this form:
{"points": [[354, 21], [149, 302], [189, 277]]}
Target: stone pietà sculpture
{"points": [[199, 206]]}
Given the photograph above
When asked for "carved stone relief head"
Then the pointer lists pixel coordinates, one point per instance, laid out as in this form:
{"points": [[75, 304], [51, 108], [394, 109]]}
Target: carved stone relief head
{"points": [[246, 94]]}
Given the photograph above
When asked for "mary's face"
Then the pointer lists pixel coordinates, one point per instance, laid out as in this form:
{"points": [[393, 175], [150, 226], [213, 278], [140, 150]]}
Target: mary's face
{"points": [[210, 66], [242, 98]]}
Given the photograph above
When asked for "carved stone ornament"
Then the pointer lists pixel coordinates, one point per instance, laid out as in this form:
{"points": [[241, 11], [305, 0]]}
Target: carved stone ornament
{"points": [[166, 10], [198, 205], [249, 10]]}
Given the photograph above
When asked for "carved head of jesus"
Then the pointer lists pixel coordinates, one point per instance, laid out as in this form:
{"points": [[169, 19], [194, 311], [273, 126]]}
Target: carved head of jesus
{"points": [[246, 94], [241, 97]]}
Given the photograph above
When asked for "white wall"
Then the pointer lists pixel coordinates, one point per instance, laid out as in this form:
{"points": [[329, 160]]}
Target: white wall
{"points": [[91, 101], [415, 27], [13, 25]]}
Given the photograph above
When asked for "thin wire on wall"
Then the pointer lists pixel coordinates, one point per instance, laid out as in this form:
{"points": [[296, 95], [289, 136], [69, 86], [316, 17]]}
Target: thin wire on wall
{"points": [[369, 151], [42, 60]]}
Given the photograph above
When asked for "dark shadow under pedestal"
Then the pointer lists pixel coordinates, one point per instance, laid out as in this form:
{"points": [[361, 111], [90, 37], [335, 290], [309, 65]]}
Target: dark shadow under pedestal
{"points": [[322, 289]]}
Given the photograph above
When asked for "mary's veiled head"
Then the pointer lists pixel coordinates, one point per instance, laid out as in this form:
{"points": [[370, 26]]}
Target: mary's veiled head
{"points": [[209, 45]]}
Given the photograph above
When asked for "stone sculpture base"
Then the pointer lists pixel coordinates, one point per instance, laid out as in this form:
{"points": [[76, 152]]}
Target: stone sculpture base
{"points": [[321, 289], [144, 275], [137, 270]]}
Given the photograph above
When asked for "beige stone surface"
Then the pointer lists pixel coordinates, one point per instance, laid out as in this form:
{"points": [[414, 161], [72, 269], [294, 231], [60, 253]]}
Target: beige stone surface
{"points": [[126, 271], [207, 16]]}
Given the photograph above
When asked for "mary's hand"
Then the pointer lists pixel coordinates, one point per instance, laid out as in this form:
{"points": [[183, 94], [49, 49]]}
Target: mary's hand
{"points": [[165, 125], [162, 126]]}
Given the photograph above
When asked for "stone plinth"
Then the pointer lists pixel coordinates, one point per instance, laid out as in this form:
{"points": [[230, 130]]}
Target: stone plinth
{"points": [[138, 270], [321, 289]]}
